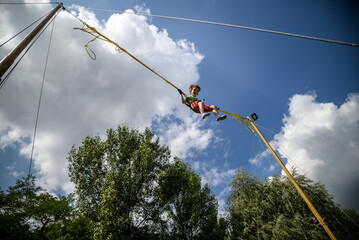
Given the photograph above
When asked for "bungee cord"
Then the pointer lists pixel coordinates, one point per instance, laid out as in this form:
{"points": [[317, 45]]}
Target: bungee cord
{"points": [[92, 31], [97, 35]]}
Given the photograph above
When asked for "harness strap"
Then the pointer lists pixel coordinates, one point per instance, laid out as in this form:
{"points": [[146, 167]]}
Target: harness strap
{"points": [[189, 105]]}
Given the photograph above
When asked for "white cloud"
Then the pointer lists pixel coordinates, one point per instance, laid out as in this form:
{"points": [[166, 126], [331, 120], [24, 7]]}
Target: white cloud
{"points": [[186, 136], [16, 174], [84, 97], [218, 178], [9, 137], [222, 205], [215, 175], [258, 159], [321, 140]]}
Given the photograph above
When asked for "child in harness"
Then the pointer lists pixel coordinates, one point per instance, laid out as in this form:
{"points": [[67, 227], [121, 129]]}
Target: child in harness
{"points": [[198, 106]]}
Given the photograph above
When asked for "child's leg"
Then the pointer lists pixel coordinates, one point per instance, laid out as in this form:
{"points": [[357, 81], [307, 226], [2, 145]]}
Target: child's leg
{"points": [[201, 110], [215, 112], [201, 107]]}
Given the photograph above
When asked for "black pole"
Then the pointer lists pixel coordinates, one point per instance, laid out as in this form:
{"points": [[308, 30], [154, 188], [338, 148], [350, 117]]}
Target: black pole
{"points": [[8, 60]]}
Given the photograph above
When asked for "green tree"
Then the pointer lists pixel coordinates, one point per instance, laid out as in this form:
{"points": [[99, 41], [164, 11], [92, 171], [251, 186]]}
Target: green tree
{"points": [[129, 188], [115, 182], [14, 207], [29, 212], [74, 227], [243, 206], [190, 208], [273, 209]]}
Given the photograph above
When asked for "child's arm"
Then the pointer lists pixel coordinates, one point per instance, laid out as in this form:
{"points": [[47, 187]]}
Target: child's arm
{"points": [[182, 98]]}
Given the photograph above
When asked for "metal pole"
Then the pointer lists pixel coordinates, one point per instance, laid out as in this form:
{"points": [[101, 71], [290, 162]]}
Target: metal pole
{"points": [[291, 178], [8, 60]]}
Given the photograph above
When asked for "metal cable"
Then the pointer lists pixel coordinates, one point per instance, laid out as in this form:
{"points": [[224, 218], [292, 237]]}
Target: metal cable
{"points": [[24, 29], [42, 87], [236, 26]]}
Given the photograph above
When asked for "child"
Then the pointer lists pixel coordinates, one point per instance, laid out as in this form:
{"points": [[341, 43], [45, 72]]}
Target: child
{"points": [[198, 105]]}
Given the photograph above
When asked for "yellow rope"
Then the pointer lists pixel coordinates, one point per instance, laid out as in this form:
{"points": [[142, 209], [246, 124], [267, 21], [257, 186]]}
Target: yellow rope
{"points": [[93, 31], [97, 35], [240, 119]]}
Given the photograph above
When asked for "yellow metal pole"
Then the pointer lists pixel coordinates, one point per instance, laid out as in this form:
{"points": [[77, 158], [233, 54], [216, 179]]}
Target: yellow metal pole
{"points": [[291, 178]]}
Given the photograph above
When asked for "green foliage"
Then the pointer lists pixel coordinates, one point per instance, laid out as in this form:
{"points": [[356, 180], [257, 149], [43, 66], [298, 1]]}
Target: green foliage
{"points": [[273, 209], [29, 212], [129, 188], [190, 208], [14, 210]]}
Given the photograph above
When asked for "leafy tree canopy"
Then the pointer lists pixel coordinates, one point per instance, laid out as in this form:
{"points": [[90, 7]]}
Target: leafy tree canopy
{"points": [[129, 187], [29, 212], [273, 209]]}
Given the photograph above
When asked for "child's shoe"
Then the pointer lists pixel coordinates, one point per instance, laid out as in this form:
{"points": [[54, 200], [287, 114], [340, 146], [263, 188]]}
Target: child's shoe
{"points": [[204, 115], [221, 117]]}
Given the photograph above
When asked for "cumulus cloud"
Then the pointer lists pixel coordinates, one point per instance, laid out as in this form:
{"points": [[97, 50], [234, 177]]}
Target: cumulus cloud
{"points": [[258, 158], [186, 136], [217, 177], [84, 97], [321, 140], [214, 175]]}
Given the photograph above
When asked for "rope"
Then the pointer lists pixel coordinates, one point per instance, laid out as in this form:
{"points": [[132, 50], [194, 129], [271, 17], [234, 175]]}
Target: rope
{"points": [[97, 35], [240, 119], [92, 31], [236, 26]]}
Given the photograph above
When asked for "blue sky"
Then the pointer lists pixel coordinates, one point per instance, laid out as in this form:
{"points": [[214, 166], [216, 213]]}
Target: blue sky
{"points": [[305, 92]]}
